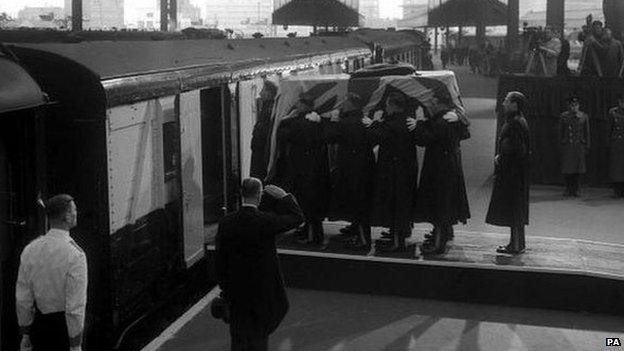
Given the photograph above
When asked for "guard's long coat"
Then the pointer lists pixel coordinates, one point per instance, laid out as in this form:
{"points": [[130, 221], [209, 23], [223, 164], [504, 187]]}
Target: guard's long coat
{"points": [[616, 144], [575, 142]]}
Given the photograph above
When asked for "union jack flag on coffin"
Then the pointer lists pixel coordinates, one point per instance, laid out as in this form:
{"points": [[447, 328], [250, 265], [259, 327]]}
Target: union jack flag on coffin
{"points": [[328, 91]]}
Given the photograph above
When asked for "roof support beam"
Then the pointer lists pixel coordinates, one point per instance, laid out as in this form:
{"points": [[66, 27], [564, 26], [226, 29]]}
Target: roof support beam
{"points": [[76, 15], [555, 13], [513, 23]]}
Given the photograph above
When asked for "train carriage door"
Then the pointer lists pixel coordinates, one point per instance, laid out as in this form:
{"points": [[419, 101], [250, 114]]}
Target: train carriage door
{"points": [[192, 176], [21, 219]]}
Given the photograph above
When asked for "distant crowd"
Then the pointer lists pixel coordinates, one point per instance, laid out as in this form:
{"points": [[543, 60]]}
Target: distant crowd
{"points": [[544, 51], [482, 59]]}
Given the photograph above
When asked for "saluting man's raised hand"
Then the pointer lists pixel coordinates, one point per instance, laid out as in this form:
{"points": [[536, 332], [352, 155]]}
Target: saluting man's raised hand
{"points": [[275, 191]]}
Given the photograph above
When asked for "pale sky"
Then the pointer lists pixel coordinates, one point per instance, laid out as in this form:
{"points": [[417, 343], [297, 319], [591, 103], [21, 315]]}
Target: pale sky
{"points": [[390, 8], [387, 8]]}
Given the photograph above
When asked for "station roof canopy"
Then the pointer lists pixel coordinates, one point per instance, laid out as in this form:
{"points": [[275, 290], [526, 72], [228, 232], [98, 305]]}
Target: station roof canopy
{"points": [[332, 13], [454, 13]]}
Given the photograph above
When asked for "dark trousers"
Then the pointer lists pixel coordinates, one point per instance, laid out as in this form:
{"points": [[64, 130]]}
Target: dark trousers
{"points": [[246, 340], [572, 183], [49, 332], [517, 240]]}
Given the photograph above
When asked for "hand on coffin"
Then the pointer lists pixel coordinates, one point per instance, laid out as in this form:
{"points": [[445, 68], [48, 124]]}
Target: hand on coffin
{"points": [[378, 116], [451, 117], [411, 124], [367, 121], [313, 117]]}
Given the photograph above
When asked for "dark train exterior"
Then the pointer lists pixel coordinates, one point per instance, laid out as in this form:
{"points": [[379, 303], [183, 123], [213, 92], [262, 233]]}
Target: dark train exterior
{"points": [[148, 136]]}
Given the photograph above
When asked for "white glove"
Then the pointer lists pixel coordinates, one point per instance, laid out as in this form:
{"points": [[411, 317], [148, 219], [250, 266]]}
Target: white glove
{"points": [[367, 121], [451, 117], [411, 124], [313, 117], [378, 116], [25, 344]]}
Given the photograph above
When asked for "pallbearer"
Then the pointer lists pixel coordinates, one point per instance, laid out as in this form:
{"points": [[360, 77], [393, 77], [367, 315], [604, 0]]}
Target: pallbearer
{"points": [[397, 170], [441, 197], [575, 141], [308, 167], [509, 205], [616, 144], [352, 185]]}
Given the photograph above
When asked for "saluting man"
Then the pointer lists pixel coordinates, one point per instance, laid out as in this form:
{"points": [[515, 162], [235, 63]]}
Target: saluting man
{"points": [[575, 141], [51, 289]]}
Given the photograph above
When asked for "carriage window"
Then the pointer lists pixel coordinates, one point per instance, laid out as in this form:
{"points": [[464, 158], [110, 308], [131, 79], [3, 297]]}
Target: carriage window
{"points": [[170, 142]]}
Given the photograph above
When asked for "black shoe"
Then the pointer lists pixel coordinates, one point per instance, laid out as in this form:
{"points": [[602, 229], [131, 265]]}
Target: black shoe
{"points": [[507, 249], [306, 241], [393, 248]]}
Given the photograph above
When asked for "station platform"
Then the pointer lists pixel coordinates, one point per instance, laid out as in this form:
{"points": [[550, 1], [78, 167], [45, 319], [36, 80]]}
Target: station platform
{"points": [[554, 273]]}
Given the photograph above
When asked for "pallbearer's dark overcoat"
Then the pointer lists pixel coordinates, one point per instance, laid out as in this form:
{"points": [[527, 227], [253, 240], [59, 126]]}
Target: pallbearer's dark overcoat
{"points": [[441, 197], [509, 205], [616, 143], [353, 178], [307, 164], [260, 140], [396, 175]]}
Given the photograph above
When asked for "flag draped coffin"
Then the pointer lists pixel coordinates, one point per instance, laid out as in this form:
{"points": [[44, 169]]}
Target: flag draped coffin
{"points": [[329, 90]]}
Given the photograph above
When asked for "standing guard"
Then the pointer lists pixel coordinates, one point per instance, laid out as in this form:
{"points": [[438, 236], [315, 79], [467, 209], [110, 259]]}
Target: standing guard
{"points": [[575, 142], [308, 167], [397, 170], [441, 197], [616, 144]]}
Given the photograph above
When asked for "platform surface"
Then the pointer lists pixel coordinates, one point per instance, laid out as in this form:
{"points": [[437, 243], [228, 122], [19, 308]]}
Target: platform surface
{"points": [[470, 249], [330, 321]]}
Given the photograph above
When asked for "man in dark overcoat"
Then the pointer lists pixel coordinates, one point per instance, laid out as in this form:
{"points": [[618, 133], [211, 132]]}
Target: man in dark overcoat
{"points": [[247, 267], [441, 197], [261, 131], [307, 162], [396, 170], [575, 142], [353, 179], [615, 131], [509, 204]]}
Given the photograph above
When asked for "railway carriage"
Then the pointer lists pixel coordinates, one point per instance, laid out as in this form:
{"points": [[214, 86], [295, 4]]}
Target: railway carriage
{"points": [[152, 139]]}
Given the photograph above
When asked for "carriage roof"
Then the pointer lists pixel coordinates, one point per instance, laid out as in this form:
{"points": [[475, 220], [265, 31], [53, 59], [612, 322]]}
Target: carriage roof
{"points": [[137, 70]]}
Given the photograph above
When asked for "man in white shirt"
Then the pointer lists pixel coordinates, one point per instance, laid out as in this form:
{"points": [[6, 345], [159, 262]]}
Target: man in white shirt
{"points": [[51, 289]]}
